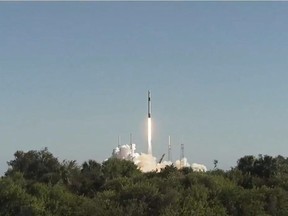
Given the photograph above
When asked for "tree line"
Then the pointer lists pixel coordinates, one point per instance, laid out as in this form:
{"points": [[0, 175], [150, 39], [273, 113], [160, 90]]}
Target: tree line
{"points": [[37, 183]]}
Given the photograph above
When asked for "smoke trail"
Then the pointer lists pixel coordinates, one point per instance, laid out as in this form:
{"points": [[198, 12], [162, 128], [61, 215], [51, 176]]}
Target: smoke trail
{"points": [[149, 137]]}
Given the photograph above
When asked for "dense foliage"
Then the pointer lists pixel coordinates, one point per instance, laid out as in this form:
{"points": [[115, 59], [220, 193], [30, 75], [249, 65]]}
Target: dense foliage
{"points": [[36, 183]]}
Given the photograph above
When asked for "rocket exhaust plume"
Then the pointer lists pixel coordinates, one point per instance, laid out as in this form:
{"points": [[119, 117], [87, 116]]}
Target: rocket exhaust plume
{"points": [[149, 125]]}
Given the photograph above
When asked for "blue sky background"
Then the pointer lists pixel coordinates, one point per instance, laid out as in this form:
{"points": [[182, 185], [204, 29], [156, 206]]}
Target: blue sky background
{"points": [[75, 75]]}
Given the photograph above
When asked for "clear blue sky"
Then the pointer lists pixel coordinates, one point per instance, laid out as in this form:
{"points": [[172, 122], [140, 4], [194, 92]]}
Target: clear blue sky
{"points": [[75, 75]]}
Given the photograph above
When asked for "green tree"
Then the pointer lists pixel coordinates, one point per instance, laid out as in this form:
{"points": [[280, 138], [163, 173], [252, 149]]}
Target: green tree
{"points": [[14, 200], [39, 166], [114, 168], [90, 179]]}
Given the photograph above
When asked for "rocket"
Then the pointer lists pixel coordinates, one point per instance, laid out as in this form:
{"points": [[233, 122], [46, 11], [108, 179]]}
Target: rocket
{"points": [[149, 104]]}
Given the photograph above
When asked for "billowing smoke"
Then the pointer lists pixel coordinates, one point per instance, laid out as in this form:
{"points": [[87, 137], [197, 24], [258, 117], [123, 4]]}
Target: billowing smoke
{"points": [[147, 162], [195, 166], [198, 167], [182, 163]]}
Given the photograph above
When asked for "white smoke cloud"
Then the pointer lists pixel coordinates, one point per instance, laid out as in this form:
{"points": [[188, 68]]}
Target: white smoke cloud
{"points": [[147, 162], [198, 167], [126, 152], [182, 163]]}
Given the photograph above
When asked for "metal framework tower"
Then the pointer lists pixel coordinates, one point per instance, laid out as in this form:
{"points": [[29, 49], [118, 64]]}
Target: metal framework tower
{"points": [[169, 150], [119, 141], [182, 156], [131, 139]]}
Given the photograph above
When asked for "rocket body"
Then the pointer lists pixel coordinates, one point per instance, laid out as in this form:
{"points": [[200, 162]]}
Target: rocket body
{"points": [[149, 104]]}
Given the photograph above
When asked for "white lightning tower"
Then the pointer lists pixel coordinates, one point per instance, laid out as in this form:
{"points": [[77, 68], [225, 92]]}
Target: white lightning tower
{"points": [[169, 150]]}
